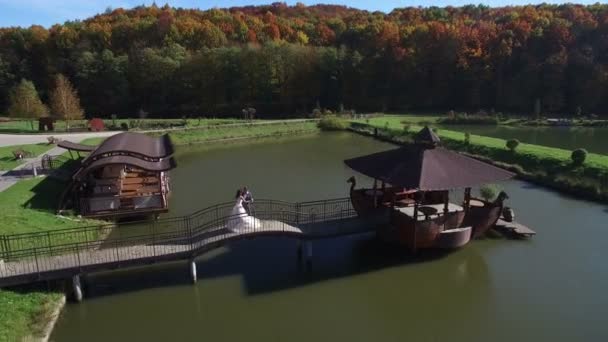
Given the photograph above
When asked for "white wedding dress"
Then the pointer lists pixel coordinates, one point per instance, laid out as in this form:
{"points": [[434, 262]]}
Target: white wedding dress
{"points": [[239, 220]]}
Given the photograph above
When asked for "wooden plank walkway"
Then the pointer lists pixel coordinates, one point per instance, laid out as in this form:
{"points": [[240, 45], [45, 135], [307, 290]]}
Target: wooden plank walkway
{"points": [[514, 228], [114, 254]]}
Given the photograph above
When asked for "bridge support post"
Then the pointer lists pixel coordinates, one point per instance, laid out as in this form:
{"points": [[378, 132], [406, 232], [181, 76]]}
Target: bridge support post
{"points": [[299, 252], [309, 256], [193, 276], [77, 288]]}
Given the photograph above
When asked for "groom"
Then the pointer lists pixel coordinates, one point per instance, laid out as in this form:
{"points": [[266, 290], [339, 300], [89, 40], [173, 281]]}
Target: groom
{"points": [[247, 200]]}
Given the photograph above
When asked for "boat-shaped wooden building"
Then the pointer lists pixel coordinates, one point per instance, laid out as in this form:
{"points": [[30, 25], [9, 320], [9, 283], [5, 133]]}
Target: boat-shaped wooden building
{"points": [[126, 175], [413, 196]]}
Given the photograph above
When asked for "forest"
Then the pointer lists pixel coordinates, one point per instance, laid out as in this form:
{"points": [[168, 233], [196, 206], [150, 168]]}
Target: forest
{"points": [[288, 60]]}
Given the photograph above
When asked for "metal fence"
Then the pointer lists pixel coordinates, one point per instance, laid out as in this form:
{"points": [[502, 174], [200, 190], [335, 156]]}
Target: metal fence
{"points": [[169, 238]]}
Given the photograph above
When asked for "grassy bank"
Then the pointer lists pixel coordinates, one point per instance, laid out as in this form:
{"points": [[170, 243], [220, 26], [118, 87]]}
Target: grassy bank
{"points": [[7, 159], [29, 206], [24, 314], [218, 133], [23, 126], [548, 166]]}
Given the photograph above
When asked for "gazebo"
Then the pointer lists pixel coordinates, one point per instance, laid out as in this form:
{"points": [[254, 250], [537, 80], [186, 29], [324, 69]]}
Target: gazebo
{"points": [[415, 183], [126, 175]]}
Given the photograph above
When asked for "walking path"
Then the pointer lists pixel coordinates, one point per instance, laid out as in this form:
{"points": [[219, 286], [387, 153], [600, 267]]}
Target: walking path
{"points": [[9, 178], [23, 139]]}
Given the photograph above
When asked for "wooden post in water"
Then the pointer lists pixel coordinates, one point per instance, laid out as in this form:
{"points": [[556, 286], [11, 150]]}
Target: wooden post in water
{"points": [[309, 256], [193, 276], [77, 288], [375, 193], [299, 252]]}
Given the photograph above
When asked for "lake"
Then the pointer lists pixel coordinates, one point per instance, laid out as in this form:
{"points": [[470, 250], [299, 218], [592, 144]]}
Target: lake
{"points": [[594, 139], [551, 287]]}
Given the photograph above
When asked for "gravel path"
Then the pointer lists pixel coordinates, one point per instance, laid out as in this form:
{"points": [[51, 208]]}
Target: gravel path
{"points": [[22, 139]]}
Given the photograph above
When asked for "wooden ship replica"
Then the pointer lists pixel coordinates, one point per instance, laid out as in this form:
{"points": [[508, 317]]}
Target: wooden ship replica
{"points": [[127, 175], [413, 196]]}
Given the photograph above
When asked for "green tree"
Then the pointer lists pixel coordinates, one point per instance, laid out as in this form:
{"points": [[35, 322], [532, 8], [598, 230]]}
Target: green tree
{"points": [[65, 103], [25, 103]]}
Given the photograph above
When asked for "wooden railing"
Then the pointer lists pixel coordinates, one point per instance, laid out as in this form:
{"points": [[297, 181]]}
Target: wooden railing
{"points": [[77, 248]]}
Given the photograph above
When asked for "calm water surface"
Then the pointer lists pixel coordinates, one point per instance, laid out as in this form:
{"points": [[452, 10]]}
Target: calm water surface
{"points": [[594, 139], [550, 288]]}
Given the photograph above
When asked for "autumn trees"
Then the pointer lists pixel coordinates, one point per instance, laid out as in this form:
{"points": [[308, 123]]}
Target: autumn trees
{"points": [[65, 104], [285, 59], [25, 103]]}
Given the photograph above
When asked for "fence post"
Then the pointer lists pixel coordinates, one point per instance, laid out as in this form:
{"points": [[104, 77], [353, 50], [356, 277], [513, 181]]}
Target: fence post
{"points": [[153, 238], [48, 240], [190, 235], [5, 247], [36, 259]]}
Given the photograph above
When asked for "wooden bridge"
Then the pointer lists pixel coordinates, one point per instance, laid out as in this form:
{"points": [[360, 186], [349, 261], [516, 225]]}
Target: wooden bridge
{"points": [[27, 258]]}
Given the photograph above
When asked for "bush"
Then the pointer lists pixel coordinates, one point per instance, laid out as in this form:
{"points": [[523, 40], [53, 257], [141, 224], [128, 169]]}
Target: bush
{"points": [[464, 119], [578, 156], [333, 123], [489, 192], [512, 144]]}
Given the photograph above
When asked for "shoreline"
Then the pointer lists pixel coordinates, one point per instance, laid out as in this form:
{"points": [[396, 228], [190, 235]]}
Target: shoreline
{"points": [[537, 177], [52, 321], [49, 318]]}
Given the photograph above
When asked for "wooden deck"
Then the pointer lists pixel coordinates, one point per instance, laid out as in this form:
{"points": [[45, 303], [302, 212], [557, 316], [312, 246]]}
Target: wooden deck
{"points": [[514, 228]]}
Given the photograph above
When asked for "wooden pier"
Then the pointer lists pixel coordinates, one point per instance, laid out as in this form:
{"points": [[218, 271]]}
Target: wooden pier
{"points": [[69, 253], [514, 229], [46, 256]]}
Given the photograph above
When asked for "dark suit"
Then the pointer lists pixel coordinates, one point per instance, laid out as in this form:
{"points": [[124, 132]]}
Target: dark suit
{"points": [[248, 202]]}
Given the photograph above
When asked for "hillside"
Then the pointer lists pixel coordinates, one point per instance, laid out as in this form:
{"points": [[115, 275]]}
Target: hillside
{"points": [[289, 59]]}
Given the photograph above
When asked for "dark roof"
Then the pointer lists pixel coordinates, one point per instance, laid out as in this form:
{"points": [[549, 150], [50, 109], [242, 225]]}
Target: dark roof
{"points": [[135, 143], [419, 167], [156, 166], [427, 136], [68, 145]]}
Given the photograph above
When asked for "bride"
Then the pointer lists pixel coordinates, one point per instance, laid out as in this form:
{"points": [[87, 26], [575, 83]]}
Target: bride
{"points": [[239, 220]]}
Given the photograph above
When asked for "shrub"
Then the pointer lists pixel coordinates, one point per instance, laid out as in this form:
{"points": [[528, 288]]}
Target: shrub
{"points": [[512, 144], [464, 119], [332, 123], [578, 156], [489, 192], [467, 138]]}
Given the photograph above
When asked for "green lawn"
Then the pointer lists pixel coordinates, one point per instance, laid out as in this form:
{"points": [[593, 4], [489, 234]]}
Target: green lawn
{"points": [[29, 206], [24, 314], [241, 131], [23, 126], [7, 159], [536, 151]]}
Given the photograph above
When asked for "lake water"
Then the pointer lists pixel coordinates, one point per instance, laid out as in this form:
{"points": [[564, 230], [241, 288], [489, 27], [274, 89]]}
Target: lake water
{"points": [[550, 288], [594, 139]]}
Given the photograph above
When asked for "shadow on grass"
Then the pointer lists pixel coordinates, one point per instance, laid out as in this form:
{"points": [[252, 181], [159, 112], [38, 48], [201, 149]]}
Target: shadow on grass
{"points": [[47, 192]]}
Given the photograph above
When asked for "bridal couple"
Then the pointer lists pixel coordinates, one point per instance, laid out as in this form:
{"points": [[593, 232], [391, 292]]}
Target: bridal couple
{"points": [[240, 217]]}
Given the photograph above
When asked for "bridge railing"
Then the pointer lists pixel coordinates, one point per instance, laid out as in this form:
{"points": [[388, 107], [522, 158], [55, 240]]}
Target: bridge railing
{"points": [[78, 247]]}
